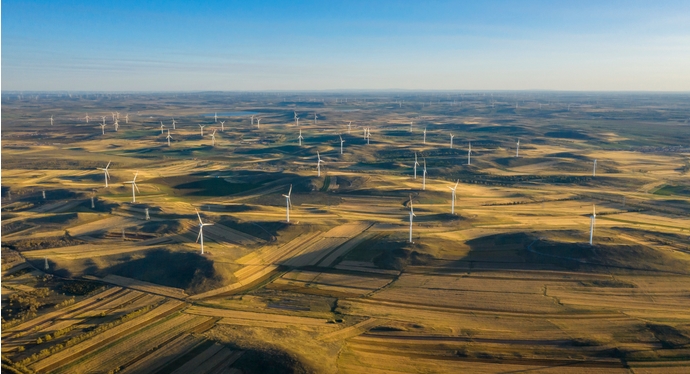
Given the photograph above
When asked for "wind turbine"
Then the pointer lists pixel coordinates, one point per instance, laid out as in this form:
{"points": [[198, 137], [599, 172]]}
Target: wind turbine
{"points": [[252, 117], [103, 118], [113, 114], [410, 126], [424, 176], [349, 126], [591, 226], [222, 126], [297, 121], [117, 125], [45, 266], [213, 137], [425, 135], [133, 182], [318, 164], [300, 137], [341, 144], [103, 128], [201, 231], [87, 118], [215, 117], [162, 126], [127, 118], [594, 168], [288, 202], [201, 127], [51, 120], [451, 140], [469, 154], [517, 149], [174, 122], [368, 135], [258, 122], [107, 175], [452, 203], [168, 137], [411, 215], [415, 165]]}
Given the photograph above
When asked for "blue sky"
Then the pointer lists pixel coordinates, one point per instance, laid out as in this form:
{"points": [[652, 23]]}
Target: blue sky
{"points": [[324, 45]]}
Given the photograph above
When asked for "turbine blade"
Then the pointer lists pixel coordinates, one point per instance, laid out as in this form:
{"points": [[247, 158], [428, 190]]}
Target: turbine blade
{"points": [[198, 215], [199, 236], [137, 187], [290, 192]]}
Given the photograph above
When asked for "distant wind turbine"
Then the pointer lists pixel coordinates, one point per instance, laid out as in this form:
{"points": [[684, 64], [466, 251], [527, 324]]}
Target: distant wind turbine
{"points": [[517, 149], [315, 121], [341, 144], [425, 135], [213, 137], [318, 164], [258, 122], [168, 137], [288, 203], [127, 118], [201, 231], [469, 154], [424, 176], [252, 117], [51, 120], [222, 126], [594, 168], [162, 126], [201, 127], [411, 215], [107, 175], [103, 128], [215, 117], [133, 182], [300, 137], [415, 165], [349, 126], [451, 140], [87, 118], [173, 123], [117, 125], [452, 203]]}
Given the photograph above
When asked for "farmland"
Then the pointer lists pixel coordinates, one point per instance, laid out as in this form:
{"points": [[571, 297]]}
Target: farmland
{"points": [[93, 282]]}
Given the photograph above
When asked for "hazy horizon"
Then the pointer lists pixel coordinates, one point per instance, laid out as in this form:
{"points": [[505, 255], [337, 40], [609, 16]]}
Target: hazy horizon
{"points": [[619, 46]]}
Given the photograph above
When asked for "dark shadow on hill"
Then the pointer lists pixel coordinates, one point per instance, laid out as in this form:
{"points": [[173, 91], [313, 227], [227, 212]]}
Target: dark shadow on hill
{"points": [[189, 271], [263, 230]]}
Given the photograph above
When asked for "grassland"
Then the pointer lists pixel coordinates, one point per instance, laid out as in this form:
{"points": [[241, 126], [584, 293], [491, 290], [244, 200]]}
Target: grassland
{"points": [[509, 283]]}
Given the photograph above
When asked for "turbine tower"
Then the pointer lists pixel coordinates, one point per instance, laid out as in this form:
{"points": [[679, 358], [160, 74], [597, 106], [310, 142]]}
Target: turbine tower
{"points": [[201, 231], [162, 126], [222, 126], [87, 118], [133, 182], [168, 137], [215, 117], [517, 149], [452, 202], [318, 164], [117, 125], [410, 126], [451, 140], [127, 118], [258, 122], [51, 120], [213, 138], [469, 155], [425, 135], [45, 266], [424, 176], [173, 123], [349, 126], [341, 144], [102, 128], [107, 175], [591, 225], [315, 121], [594, 168], [300, 137], [201, 128], [296, 121], [415, 165], [411, 215], [147, 214], [288, 202], [252, 117]]}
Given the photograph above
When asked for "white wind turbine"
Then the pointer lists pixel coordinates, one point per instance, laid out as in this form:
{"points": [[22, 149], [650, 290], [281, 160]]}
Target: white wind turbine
{"points": [[117, 125], [517, 149], [252, 117], [341, 144], [452, 203], [315, 122], [349, 127], [215, 117], [288, 203], [213, 137], [258, 122], [296, 120], [591, 225], [201, 127], [133, 182], [87, 118], [173, 123], [222, 126], [201, 231], [424, 176], [168, 137], [451, 140], [127, 118], [425, 135], [103, 128], [105, 171], [415, 165], [117, 115], [410, 126], [594, 168], [162, 126], [411, 215], [368, 135], [469, 154], [113, 114], [300, 137], [318, 164], [51, 120]]}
